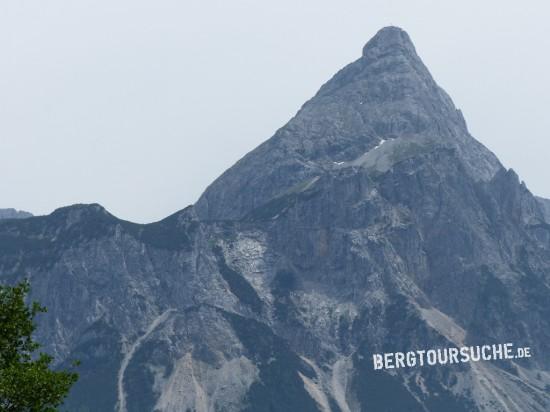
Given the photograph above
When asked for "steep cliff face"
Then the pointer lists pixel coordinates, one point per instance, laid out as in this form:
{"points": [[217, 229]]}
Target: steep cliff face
{"points": [[545, 204], [372, 222]]}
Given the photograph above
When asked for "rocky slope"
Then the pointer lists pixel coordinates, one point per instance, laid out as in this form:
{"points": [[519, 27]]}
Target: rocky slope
{"points": [[371, 222]]}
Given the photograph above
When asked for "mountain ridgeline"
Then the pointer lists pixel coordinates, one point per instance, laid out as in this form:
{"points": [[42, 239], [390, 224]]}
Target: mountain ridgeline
{"points": [[371, 222], [13, 214]]}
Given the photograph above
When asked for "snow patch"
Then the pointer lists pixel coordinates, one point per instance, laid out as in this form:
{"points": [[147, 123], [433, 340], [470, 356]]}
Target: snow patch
{"points": [[382, 141]]}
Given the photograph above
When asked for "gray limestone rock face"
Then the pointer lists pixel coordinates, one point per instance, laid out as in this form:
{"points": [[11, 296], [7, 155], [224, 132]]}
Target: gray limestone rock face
{"points": [[372, 222]]}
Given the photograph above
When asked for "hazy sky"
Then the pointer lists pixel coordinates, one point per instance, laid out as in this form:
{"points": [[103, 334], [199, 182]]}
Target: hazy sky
{"points": [[139, 105]]}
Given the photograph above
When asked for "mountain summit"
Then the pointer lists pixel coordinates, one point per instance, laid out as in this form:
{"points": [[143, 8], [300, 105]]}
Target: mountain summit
{"points": [[389, 40], [372, 222], [386, 94]]}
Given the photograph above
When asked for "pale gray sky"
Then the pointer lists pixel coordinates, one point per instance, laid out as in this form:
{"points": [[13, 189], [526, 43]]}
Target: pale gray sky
{"points": [[139, 105]]}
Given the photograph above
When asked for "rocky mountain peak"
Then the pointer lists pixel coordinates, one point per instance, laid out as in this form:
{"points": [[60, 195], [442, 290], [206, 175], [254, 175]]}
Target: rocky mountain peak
{"points": [[386, 94], [389, 40]]}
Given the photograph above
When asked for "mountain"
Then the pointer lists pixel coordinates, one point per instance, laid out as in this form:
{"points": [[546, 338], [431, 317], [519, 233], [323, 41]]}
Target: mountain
{"points": [[545, 203], [386, 94], [372, 222], [13, 214]]}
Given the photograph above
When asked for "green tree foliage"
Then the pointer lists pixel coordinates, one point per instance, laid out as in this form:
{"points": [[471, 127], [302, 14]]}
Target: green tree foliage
{"points": [[27, 384]]}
